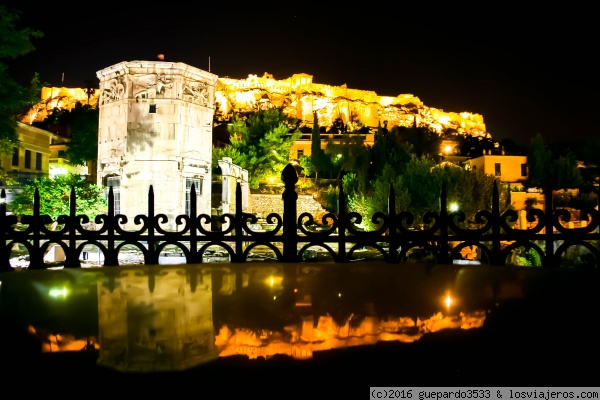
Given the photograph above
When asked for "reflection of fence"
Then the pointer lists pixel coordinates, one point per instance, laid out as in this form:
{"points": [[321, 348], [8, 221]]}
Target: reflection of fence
{"points": [[496, 236]]}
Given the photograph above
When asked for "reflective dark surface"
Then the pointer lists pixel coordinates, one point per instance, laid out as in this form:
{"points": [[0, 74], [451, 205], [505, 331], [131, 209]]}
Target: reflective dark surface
{"points": [[375, 324]]}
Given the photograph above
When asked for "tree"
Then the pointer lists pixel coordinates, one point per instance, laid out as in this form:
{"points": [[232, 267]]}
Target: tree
{"points": [[307, 166], [475, 146], [14, 98], [349, 154], [55, 194], [318, 158], [90, 88], [82, 127], [548, 170], [424, 141], [538, 163], [418, 190], [387, 151], [260, 143], [83, 145]]}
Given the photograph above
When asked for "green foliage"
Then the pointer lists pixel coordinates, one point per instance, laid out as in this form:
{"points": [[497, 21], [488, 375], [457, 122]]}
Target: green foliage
{"points": [[349, 154], [350, 183], [423, 141], [308, 168], [82, 123], [388, 151], [418, 189], [557, 171], [260, 144], [330, 197], [319, 160], [14, 98], [527, 257], [55, 197]]}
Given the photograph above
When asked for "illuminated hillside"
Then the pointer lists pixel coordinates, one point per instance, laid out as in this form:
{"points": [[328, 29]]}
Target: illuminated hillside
{"points": [[299, 97]]}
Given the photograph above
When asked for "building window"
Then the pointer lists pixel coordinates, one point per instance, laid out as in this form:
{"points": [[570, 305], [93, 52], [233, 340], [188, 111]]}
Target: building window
{"points": [[300, 154], [115, 183], [61, 154], [15, 160], [38, 161], [188, 189], [28, 159], [152, 108], [497, 170], [523, 169]]}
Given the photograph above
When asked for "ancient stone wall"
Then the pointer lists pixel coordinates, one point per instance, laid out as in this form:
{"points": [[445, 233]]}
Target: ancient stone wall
{"points": [[264, 204]]}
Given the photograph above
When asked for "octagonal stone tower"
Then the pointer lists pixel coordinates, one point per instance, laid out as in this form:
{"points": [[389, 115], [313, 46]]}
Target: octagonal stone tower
{"points": [[155, 128]]}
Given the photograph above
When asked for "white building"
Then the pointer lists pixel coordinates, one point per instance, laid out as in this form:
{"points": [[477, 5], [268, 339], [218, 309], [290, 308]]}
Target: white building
{"points": [[155, 128]]}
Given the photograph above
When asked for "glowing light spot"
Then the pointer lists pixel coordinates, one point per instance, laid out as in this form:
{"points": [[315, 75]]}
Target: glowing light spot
{"points": [[58, 292], [448, 301]]}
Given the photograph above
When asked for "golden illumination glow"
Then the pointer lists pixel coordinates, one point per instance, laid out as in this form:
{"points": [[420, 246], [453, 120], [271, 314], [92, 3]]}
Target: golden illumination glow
{"points": [[58, 292], [448, 301], [453, 207]]}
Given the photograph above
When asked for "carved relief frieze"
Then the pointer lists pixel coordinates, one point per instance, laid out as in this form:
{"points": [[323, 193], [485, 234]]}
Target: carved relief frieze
{"points": [[197, 92], [112, 90], [153, 86]]}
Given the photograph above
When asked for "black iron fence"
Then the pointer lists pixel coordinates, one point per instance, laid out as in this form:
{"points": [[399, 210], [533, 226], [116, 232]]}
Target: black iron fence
{"points": [[442, 238]]}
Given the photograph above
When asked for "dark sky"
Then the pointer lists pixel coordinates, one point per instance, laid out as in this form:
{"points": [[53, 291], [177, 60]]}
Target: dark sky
{"points": [[525, 76]]}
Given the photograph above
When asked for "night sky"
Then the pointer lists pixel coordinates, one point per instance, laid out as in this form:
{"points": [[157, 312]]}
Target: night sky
{"points": [[526, 75]]}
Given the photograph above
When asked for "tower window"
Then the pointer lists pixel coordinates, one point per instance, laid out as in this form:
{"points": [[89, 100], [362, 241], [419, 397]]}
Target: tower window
{"points": [[188, 189], [152, 108]]}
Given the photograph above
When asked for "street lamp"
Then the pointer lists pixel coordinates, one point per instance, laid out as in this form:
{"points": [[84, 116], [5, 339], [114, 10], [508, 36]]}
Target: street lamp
{"points": [[447, 149]]}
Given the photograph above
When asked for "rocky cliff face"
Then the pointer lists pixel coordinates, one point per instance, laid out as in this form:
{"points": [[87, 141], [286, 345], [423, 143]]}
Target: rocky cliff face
{"points": [[299, 97]]}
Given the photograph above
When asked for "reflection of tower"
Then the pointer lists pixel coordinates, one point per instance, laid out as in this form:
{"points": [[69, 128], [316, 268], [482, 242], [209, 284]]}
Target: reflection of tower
{"points": [[168, 328]]}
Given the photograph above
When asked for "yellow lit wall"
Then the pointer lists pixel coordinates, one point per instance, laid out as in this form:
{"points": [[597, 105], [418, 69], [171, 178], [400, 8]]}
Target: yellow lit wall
{"points": [[36, 141]]}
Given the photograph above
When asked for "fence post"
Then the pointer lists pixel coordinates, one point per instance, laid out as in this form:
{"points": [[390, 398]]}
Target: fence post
{"points": [[36, 222], [152, 223], [342, 212], [392, 231], [111, 258], [72, 256], [4, 249], [290, 229], [496, 246], [550, 260], [443, 246]]}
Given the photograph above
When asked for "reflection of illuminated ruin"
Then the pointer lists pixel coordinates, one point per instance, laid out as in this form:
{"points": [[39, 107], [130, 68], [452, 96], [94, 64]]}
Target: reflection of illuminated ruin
{"points": [[170, 328], [161, 318], [327, 335]]}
